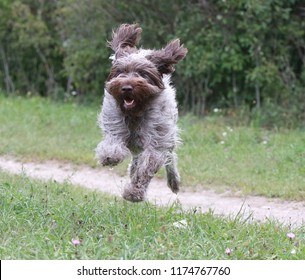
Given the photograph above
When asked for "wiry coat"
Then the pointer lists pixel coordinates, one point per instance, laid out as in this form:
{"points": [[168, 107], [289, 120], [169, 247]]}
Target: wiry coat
{"points": [[139, 112]]}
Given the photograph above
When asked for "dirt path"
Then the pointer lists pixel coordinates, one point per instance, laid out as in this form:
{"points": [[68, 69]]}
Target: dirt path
{"points": [[288, 212]]}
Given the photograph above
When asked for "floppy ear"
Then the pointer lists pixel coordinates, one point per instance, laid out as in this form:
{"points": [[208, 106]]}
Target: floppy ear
{"points": [[125, 39], [165, 58]]}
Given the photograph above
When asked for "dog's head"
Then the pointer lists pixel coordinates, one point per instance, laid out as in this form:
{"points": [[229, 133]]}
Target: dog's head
{"points": [[136, 75]]}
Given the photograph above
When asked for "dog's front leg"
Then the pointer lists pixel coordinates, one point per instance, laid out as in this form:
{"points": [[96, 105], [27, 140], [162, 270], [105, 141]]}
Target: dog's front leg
{"points": [[110, 152], [141, 173]]}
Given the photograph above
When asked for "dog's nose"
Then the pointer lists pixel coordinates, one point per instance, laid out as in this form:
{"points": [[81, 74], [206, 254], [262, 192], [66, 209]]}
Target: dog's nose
{"points": [[126, 89]]}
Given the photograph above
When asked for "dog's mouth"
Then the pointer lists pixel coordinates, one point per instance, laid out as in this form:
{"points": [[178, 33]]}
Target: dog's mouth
{"points": [[129, 103]]}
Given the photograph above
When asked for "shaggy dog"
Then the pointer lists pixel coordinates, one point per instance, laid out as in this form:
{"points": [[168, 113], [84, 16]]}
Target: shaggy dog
{"points": [[139, 111]]}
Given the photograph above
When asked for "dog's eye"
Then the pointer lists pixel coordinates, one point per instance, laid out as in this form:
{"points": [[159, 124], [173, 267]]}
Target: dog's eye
{"points": [[144, 75], [122, 75], [151, 78], [114, 73]]}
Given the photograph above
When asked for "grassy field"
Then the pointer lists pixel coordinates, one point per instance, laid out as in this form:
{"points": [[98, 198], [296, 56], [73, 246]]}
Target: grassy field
{"points": [[213, 154], [58, 221], [39, 129]]}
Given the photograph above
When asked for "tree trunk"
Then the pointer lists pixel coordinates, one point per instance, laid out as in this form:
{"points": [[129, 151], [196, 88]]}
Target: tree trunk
{"points": [[257, 87], [234, 90], [257, 96], [51, 80], [9, 85]]}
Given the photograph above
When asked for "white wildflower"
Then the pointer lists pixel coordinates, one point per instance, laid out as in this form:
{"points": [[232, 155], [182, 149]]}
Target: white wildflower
{"points": [[228, 251], [180, 224]]}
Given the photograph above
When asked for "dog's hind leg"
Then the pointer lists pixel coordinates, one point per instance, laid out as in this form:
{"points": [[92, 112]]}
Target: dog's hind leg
{"points": [[173, 177], [142, 169]]}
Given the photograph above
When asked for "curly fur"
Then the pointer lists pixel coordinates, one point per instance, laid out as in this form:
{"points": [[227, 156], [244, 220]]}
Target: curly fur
{"points": [[139, 112]]}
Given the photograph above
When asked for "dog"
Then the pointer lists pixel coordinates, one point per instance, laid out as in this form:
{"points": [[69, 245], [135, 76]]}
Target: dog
{"points": [[139, 112]]}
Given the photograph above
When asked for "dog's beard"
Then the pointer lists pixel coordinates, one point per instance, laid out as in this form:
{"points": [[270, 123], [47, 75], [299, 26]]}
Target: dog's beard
{"points": [[132, 95]]}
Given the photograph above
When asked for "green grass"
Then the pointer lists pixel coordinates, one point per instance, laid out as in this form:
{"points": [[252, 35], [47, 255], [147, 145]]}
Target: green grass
{"points": [[253, 160], [36, 128], [213, 155], [39, 221]]}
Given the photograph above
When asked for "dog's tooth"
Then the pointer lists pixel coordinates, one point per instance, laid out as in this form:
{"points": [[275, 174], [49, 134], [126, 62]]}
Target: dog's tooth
{"points": [[128, 103]]}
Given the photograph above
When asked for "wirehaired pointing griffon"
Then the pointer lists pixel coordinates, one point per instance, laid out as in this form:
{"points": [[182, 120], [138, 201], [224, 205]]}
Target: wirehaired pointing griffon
{"points": [[139, 112]]}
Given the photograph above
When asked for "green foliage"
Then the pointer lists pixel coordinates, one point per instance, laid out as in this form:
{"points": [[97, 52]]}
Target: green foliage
{"points": [[242, 54]]}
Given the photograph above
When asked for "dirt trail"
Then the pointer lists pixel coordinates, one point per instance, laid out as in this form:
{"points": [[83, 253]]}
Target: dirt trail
{"points": [[288, 212]]}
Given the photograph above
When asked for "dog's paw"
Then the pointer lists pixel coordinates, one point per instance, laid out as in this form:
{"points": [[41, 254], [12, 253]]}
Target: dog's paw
{"points": [[134, 194], [109, 161], [173, 183], [110, 155], [106, 159]]}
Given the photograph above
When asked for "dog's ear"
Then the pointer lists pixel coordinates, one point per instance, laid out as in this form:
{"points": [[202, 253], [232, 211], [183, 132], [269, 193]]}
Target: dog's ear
{"points": [[125, 39], [165, 58]]}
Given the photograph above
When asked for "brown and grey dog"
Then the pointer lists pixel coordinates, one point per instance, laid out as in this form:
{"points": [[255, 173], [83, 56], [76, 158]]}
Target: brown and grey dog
{"points": [[139, 112]]}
